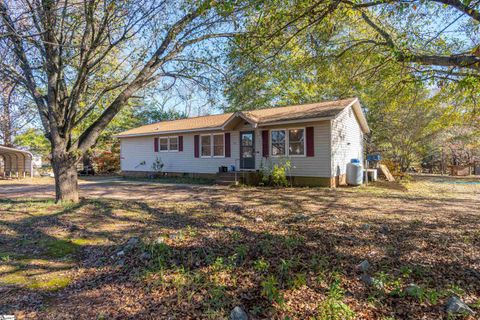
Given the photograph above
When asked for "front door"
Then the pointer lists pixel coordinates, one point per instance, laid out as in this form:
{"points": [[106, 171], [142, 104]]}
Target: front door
{"points": [[247, 150]]}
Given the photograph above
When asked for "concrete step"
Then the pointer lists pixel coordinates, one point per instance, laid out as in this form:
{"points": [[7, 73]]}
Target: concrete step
{"points": [[225, 182], [222, 174], [226, 176], [232, 176]]}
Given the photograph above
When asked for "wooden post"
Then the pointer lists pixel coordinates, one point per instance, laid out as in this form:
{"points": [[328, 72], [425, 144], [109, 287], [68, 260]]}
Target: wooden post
{"points": [[366, 172]]}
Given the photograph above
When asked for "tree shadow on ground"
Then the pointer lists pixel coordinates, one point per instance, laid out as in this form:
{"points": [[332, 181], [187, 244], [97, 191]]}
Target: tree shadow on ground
{"points": [[211, 252]]}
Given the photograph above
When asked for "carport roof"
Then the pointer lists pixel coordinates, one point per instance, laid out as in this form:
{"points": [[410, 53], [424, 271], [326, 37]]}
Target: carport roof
{"points": [[9, 150]]}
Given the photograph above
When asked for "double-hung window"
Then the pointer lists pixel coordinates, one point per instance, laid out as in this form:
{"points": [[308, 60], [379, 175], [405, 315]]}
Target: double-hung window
{"points": [[218, 145], [296, 142], [163, 144], [278, 142], [206, 145], [173, 144], [287, 142], [168, 144], [212, 145]]}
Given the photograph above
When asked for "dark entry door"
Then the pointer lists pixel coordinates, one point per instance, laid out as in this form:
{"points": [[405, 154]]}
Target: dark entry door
{"points": [[247, 150]]}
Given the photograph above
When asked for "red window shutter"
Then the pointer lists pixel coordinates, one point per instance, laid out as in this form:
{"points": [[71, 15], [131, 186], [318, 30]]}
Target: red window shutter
{"points": [[265, 150], [310, 144], [155, 144], [227, 145], [180, 143], [196, 147]]}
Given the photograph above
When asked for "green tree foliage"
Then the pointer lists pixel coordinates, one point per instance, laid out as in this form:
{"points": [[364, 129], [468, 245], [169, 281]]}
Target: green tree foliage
{"points": [[335, 57], [151, 114], [34, 140]]}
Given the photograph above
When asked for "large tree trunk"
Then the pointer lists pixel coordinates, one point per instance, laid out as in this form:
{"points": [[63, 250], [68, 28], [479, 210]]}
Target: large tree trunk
{"points": [[66, 182]]}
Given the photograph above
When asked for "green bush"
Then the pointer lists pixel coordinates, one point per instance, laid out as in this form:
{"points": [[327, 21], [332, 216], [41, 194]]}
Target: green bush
{"points": [[276, 175]]}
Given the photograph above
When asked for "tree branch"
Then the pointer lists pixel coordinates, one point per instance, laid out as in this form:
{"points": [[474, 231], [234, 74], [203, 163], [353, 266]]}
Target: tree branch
{"points": [[25, 66], [459, 5], [468, 61]]}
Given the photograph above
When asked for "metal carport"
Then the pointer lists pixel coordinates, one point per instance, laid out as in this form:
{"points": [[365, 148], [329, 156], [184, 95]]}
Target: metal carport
{"points": [[15, 163]]}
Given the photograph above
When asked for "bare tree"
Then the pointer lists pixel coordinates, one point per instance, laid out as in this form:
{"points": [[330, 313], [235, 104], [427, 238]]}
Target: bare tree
{"points": [[16, 112], [6, 90], [74, 57]]}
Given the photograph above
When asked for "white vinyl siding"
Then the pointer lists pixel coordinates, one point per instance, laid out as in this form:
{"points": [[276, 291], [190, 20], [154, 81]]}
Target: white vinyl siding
{"points": [[316, 166], [347, 141], [136, 150]]}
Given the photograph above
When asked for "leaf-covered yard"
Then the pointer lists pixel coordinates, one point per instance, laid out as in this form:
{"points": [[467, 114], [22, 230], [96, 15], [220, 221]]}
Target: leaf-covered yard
{"points": [[132, 250]]}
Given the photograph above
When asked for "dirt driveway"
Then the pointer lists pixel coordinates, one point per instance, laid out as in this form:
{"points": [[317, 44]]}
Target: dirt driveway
{"points": [[106, 187]]}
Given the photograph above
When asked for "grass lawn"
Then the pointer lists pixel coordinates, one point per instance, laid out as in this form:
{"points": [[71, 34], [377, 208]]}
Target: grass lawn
{"points": [[198, 252]]}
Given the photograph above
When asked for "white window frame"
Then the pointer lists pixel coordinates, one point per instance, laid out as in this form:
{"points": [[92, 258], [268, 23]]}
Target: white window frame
{"points": [[160, 144], [287, 142], [200, 146], [211, 145], [270, 144], [304, 143], [168, 144], [170, 150]]}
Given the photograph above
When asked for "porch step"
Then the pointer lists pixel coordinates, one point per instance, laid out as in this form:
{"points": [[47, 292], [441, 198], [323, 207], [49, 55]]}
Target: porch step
{"points": [[225, 182], [226, 178]]}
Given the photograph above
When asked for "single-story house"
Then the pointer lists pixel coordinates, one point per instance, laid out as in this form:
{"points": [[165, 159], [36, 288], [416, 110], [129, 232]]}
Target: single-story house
{"points": [[319, 139]]}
